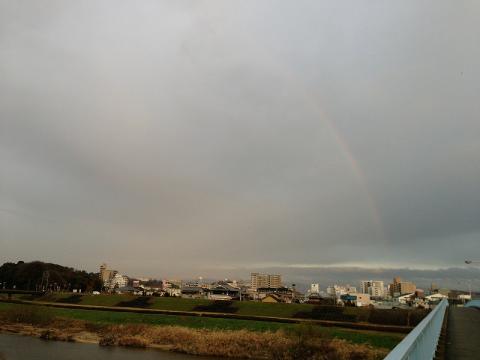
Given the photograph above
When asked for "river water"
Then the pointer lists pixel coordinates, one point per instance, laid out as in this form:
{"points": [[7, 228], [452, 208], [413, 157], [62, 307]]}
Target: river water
{"points": [[16, 347]]}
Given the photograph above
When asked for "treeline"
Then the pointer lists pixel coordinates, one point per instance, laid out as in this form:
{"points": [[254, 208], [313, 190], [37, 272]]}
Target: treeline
{"points": [[40, 276]]}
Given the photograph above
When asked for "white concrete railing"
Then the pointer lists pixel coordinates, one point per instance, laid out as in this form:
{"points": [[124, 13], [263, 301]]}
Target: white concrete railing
{"points": [[421, 342]]}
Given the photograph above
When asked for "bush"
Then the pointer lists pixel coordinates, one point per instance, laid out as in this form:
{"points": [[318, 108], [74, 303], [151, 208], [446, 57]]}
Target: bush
{"points": [[333, 313], [108, 340], [402, 317], [73, 299], [138, 302], [133, 341], [417, 315], [220, 306]]}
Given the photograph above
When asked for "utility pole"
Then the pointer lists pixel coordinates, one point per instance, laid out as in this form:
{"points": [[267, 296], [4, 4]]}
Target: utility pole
{"points": [[45, 276]]}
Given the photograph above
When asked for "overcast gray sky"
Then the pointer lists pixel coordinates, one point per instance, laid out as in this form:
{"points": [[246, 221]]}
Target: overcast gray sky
{"points": [[180, 138]]}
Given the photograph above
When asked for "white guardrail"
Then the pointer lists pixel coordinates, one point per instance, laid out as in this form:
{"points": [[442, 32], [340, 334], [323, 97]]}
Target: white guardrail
{"points": [[421, 342]]}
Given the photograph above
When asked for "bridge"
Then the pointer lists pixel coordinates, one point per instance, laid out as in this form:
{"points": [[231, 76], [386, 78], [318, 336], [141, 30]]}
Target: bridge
{"points": [[446, 333], [463, 334], [11, 292]]}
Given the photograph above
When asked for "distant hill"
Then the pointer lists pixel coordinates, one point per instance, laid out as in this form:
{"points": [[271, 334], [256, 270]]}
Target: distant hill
{"points": [[37, 275]]}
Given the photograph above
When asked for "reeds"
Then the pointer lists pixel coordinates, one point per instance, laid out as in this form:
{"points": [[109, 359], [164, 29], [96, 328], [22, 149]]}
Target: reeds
{"points": [[245, 344]]}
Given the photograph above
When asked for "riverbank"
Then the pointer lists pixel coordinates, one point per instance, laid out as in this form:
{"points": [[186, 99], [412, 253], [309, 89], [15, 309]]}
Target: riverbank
{"points": [[376, 339], [254, 312], [299, 342], [395, 320]]}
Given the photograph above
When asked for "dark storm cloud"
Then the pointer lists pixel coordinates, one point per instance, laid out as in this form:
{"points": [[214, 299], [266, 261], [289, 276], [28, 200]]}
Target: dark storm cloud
{"points": [[195, 135]]}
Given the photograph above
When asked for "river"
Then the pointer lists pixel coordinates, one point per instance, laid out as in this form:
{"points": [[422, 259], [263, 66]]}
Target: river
{"points": [[16, 347]]}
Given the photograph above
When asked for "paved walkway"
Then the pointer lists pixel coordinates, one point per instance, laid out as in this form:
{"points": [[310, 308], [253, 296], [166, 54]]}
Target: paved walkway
{"points": [[463, 334]]}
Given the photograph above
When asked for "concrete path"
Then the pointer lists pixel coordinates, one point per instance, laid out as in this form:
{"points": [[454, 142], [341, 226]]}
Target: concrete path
{"points": [[463, 334]]}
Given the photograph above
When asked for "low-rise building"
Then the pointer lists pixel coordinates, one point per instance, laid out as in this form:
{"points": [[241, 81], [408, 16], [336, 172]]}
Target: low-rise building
{"points": [[223, 291], [272, 298], [464, 297], [195, 292], [355, 299], [435, 297]]}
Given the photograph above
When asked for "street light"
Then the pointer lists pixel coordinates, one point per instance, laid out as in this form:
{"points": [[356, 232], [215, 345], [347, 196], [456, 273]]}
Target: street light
{"points": [[470, 262]]}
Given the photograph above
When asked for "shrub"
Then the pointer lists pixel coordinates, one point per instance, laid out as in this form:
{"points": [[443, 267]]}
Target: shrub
{"points": [[139, 302], [417, 315], [133, 341], [109, 339], [333, 313], [221, 306], [73, 299]]}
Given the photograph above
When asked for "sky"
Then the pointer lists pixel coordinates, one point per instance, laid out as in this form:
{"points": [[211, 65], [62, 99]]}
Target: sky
{"points": [[189, 138]]}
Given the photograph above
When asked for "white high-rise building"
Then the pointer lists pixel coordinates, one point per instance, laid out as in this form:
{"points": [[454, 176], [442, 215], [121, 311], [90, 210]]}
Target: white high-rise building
{"points": [[315, 288]]}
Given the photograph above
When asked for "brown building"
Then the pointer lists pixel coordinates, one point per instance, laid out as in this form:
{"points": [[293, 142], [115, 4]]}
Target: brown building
{"points": [[105, 274], [265, 281], [399, 287]]}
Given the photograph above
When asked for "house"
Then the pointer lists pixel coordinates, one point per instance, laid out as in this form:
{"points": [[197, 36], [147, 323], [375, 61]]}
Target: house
{"points": [[435, 297], [285, 295], [195, 292], [272, 298], [406, 299], [223, 291], [355, 299], [128, 290], [174, 292]]}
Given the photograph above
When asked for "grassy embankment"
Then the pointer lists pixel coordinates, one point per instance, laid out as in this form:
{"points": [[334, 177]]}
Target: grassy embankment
{"points": [[245, 308], [373, 338], [218, 337]]}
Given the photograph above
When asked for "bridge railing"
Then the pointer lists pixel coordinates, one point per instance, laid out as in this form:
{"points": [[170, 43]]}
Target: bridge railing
{"points": [[421, 342]]}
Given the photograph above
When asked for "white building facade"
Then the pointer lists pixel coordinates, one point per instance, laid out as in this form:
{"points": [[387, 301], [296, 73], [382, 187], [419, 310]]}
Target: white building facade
{"points": [[374, 288]]}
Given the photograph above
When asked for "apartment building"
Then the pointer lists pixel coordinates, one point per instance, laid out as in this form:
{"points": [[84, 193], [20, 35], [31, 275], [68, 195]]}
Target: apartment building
{"points": [[258, 280], [399, 287], [374, 288], [106, 274]]}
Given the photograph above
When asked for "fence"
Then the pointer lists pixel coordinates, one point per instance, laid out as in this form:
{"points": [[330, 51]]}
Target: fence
{"points": [[421, 342]]}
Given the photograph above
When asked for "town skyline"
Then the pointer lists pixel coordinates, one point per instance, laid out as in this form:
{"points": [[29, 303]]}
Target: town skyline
{"points": [[458, 278]]}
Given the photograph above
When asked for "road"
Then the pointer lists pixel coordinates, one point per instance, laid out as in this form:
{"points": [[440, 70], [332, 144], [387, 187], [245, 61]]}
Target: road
{"points": [[463, 334]]}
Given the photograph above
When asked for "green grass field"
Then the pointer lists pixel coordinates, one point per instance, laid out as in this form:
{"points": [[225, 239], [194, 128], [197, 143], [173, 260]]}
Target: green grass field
{"points": [[376, 339], [398, 317], [180, 304]]}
